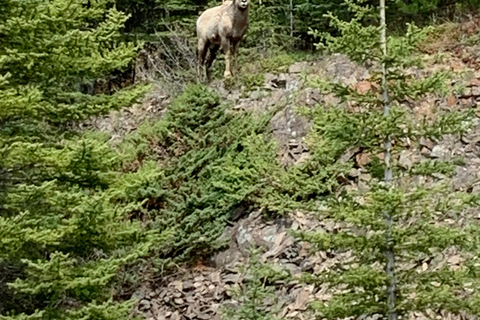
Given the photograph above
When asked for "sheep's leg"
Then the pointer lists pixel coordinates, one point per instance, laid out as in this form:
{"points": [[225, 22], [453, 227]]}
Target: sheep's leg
{"points": [[212, 54], [228, 57], [202, 49], [235, 57]]}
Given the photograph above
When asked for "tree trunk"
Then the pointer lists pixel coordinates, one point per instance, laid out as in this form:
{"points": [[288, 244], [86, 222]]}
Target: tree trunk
{"points": [[291, 18], [390, 254]]}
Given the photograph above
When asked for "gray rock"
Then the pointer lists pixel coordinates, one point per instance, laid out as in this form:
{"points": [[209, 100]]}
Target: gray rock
{"points": [[440, 152], [257, 94], [404, 160], [426, 143], [144, 305], [464, 178], [297, 67], [354, 173]]}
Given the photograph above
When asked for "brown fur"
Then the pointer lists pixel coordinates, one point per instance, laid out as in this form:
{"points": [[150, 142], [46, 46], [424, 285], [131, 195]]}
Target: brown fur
{"points": [[222, 26]]}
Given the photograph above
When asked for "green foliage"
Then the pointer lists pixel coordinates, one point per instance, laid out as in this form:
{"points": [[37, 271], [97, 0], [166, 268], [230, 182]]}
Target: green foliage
{"points": [[256, 295], [63, 236], [269, 27], [429, 219], [252, 81], [212, 161]]}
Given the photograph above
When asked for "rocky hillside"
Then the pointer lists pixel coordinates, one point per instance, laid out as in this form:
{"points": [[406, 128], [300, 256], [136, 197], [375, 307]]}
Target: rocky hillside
{"points": [[200, 291]]}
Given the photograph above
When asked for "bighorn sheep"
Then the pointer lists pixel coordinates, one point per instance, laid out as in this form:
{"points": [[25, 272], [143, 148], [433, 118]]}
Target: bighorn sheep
{"points": [[224, 26]]}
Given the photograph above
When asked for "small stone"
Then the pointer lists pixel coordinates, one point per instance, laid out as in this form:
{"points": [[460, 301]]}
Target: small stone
{"points": [[215, 277], [232, 278], [439, 176], [363, 187], [439, 152], [463, 179], [256, 95], [279, 83], [203, 316], [296, 67], [425, 152], [188, 285], [144, 305], [365, 177], [363, 159], [354, 173], [197, 284], [178, 301], [451, 100], [426, 143], [404, 160], [363, 87], [465, 140], [178, 285]]}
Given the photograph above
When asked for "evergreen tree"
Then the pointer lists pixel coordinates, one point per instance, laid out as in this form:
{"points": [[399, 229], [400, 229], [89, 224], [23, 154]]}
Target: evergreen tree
{"points": [[256, 295], [63, 239], [213, 162], [390, 231]]}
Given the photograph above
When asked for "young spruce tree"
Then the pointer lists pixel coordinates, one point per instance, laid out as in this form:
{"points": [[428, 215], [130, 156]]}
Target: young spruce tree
{"points": [[412, 246], [63, 239]]}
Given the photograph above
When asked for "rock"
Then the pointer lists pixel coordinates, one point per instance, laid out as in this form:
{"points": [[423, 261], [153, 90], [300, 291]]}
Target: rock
{"points": [[301, 301], [405, 159], [440, 152], [362, 159], [232, 278], [257, 94], [363, 187], [293, 85], [354, 173], [215, 277], [349, 154], [464, 178], [365, 177], [203, 316], [187, 285], [283, 124], [297, 67], [363, 87], [144, 305], [303, 158], [426, 143], [425, 152], [279, 83]]}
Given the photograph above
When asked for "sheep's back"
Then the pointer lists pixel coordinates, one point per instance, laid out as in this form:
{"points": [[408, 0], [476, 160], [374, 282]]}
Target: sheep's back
{"points": [[207, 23]]}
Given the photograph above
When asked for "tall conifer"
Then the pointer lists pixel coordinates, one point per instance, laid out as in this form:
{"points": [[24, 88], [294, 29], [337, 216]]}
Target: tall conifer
{"points": [[62, 238], [407, 216]]}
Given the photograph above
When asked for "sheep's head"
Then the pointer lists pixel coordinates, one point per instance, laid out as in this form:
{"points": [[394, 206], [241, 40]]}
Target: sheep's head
{"points": [[242, 4]]}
